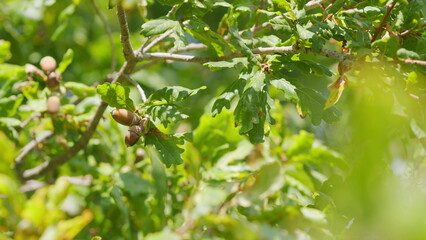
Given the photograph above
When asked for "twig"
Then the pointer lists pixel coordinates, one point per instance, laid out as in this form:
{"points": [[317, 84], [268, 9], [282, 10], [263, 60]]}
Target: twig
{"points": [[32, 185], [260, 50], [415, 62], [125, 35], [313, 3], [28, 120], [30, 146], [379, 29], [156, 41], [138, 87], [127, 68], [60, 159], [109, 34]]}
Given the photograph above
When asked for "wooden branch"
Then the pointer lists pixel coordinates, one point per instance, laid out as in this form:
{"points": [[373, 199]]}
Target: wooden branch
{"points": [[30, 146], [125, 35], [138, 87], [127, 68], [313, 3], [260, 50], [415, 62], [60, 159], [379, 29], [32, 185]]}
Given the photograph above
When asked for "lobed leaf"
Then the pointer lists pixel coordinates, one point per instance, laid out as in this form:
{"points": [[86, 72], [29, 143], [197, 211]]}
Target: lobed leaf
{"points": [[166, 146], [116, 95]]}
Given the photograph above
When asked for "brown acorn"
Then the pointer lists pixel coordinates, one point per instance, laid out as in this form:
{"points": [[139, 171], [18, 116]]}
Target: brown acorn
{"points": [[53, 80], [133, 135], [125, 117], [48, 64], [53, 104]]}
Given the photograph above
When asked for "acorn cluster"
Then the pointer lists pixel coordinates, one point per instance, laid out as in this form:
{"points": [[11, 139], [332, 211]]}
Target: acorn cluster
{"points": [[137, 125], [48, 65]]}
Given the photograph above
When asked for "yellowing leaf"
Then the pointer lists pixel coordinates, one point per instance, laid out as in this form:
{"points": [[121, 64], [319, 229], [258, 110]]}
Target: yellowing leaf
{"points": [[336, 90], [68, 229]]}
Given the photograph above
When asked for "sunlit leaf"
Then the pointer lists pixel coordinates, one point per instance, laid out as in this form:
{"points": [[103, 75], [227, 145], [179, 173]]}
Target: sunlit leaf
{"points": [[336, 90], [116, 95], [66, 60]]}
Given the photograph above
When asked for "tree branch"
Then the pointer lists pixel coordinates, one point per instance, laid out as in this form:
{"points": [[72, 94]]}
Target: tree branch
{"points": [[125, 35], [27, 149], [127, 68], [260, 50], [415, 62], [379, 29], [138, 87], [60, 159]]}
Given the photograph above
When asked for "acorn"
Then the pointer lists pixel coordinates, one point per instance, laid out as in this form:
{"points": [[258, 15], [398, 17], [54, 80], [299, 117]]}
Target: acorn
{"points": [[140, 155], [48, 64], [133, 135], [53, 104], [125, 117], [53, 80]]}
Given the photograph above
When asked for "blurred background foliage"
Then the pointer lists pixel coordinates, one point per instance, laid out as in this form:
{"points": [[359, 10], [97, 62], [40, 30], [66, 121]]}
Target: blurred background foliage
{"points": [[362, 177]]}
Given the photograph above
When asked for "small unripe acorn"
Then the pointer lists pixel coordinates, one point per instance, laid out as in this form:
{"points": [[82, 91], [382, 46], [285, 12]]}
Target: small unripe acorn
{"points": [[48, 64], [52, 80], [133, 135], [140, 155], [131, 138], [53, 104], [125, 117]]}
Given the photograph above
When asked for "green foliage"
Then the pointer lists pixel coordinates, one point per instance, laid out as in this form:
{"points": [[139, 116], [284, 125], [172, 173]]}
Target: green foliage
{"points": [[116, 95], [239, 139]]}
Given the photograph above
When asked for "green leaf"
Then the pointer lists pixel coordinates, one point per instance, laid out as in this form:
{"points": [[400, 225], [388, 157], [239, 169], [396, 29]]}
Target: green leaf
{"points": [[9, 122], [215, 135], [158, 26], [112, 4], [116, 96], [132, 183], [4, 51], [238, 41], [165, 113], [9, 106], [247, 110], [336, 90], [387, 46], [303, 32], [66, 60], [80, 90], [166, 146], [164, 234], [334, 7], [11, 72], [173, 94], [225, 98], [64, 19], [118, 199], [404, 53], [288, 89], [312, 103], [201, 31], [214, 66], [170, 2], [268, 180]]}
